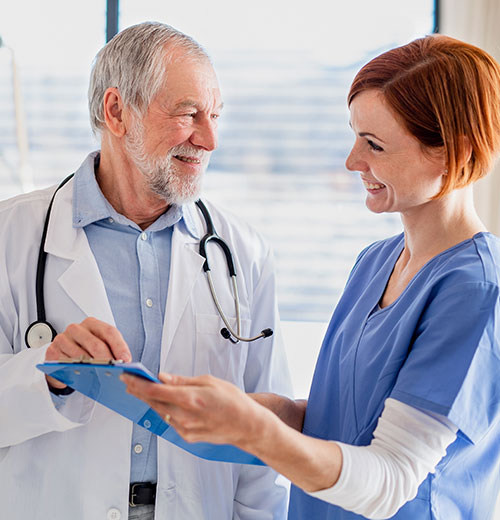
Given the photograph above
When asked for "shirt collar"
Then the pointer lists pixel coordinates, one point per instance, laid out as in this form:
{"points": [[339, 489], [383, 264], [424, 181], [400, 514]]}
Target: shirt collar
{"points": [[90, 205]]}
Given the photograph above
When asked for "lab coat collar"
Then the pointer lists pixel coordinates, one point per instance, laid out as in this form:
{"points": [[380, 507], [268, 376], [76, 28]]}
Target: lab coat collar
{"points": [[185, 268], [63, 240], [81, 279], [192, 221]]}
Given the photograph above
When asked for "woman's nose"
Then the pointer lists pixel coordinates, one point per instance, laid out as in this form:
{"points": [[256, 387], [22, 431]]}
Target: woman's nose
{"points": [[351, 161], [355, 161]]}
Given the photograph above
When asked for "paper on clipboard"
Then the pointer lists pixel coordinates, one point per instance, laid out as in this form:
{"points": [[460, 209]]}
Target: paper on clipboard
{"points": [[101, 382]]}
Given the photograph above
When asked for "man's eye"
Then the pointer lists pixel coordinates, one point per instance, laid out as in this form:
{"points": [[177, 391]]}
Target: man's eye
{"points": [[374, 146], [215, 116]]}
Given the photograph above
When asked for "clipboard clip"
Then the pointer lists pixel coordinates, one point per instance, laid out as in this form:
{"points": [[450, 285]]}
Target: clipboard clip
{"points": [[83, 360]]}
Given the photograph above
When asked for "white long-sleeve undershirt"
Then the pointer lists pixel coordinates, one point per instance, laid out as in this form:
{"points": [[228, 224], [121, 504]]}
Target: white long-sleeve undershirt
{"points": [[378, 479]]}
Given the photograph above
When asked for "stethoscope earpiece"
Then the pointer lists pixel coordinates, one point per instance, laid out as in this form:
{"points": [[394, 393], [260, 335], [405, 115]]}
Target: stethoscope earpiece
{"points": [[225, 333], [267, 332]]}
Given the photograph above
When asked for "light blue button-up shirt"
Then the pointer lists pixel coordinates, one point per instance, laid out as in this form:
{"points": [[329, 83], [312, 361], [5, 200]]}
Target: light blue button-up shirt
{"points": [[134, 265]]}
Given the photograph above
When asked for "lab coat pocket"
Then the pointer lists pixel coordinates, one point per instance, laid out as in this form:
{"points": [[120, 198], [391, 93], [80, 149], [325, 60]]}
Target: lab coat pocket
{"points": [[216, 355]]}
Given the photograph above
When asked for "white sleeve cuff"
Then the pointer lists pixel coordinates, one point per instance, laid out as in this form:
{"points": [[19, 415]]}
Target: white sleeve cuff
{"points": [[376, 480]]}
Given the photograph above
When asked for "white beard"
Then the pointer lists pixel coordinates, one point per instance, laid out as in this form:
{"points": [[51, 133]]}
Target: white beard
{"points": [[161, 173]]}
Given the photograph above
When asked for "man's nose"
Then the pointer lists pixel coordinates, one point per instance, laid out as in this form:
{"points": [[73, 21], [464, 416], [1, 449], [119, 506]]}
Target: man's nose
{"points": [[205, 135]]}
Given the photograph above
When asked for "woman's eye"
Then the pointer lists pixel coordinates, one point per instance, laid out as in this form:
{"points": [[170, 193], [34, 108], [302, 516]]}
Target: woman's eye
{"points": [[374, 146]]}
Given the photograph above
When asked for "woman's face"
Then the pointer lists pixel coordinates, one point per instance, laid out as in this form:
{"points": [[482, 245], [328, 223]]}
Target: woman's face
{"points": [[396, 172]]}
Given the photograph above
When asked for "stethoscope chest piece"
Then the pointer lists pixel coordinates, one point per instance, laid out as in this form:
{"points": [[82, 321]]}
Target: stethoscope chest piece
{"points": [[39, 334]]}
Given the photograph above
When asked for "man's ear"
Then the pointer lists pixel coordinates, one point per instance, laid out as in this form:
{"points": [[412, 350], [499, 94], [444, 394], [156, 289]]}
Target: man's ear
{"points": [[113, 112]]}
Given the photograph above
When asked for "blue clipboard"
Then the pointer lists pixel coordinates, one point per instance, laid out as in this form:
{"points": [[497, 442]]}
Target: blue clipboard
{"points": [[101, 382]]}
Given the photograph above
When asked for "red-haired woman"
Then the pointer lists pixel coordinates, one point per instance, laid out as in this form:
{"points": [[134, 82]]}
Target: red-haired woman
{"points": [[403, 417]]}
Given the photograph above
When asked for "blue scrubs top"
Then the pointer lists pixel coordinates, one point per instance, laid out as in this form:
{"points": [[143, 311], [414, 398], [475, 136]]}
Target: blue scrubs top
{"points": [[435, 348]]}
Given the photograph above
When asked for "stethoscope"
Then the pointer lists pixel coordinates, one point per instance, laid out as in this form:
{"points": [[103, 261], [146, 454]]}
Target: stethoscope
{"points": [[41, 332]]}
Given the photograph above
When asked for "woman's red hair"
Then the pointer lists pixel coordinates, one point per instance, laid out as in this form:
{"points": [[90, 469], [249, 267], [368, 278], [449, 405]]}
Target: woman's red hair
{"points": [[447, 94]]}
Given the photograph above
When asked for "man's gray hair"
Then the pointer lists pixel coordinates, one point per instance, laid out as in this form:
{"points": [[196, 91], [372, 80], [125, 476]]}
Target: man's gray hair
{"points": [[134, 62]]}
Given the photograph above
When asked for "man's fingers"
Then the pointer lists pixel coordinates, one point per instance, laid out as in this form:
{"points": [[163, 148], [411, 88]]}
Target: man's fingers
{"points": [[91, 338], [110, 336], [54, 383], [64, 346]]}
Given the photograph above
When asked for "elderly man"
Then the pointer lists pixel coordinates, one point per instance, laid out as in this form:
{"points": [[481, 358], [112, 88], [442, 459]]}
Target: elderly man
{"points": [[124, 280]]}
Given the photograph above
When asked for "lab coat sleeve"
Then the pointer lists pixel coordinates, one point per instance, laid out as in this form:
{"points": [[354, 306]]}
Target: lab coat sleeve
{"points": [[261, 492], [26, 406]]}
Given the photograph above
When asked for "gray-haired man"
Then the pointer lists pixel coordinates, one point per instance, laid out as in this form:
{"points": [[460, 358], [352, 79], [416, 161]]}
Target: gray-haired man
{"points": [[124, 280]]}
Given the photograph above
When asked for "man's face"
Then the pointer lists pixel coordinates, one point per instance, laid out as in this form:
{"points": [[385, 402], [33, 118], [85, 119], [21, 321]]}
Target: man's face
{"points": [[172, 143]]}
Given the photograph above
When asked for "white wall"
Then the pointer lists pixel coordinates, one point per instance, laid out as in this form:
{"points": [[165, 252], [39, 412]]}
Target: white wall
{"points": [[477, 22], [302, 341]]}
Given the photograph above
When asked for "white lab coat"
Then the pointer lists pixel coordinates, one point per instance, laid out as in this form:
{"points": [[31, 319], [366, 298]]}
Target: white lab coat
{"points": [[75, 463]]}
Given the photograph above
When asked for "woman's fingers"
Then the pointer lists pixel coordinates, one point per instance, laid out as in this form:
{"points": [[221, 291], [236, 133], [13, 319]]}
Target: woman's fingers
{"points": [[201, 408]]}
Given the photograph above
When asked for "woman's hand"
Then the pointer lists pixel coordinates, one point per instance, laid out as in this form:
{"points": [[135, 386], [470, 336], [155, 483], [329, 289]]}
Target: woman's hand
{"points": [[207, 409], [202, 408]]}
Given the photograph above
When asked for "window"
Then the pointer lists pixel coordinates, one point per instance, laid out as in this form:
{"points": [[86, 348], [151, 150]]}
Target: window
{"points": [[45, 135], [284, 69]]}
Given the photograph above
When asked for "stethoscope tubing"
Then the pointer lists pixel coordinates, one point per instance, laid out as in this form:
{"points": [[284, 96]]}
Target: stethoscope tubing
{"points": [[212, 236], [42, 258], [237, 307]]}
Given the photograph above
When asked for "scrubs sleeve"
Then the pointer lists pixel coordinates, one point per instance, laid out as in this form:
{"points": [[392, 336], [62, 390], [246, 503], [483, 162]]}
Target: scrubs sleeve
{"points": [[453, 364]]}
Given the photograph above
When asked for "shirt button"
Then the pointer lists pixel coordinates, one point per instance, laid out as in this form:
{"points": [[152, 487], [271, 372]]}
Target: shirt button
{"points": [[138, 448], [111, 220], [113, 514], [144, 236], [149, 302]]}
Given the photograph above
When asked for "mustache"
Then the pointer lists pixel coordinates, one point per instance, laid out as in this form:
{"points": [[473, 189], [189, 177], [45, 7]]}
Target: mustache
{"points": [[189, 151]]}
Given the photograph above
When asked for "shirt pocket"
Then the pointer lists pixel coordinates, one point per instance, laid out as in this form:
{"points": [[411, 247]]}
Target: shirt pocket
{"points": [[218, 356]]}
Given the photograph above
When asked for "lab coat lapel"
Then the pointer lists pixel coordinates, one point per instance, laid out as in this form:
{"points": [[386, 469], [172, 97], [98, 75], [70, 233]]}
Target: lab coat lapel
{"points": [[185, 268], [81, 281]]}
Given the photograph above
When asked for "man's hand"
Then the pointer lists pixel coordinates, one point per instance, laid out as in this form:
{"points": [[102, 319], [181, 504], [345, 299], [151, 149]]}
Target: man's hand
{"points": [[91, 338]]}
